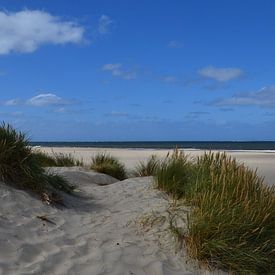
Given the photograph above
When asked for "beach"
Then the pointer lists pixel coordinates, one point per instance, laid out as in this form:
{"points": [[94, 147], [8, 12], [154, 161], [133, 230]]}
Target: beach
{"points": [[108, 226], [262, 160]]}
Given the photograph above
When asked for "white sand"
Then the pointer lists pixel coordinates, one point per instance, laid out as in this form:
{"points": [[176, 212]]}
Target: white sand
{"points": [[111, 227], [264, 161], [98, 233]]}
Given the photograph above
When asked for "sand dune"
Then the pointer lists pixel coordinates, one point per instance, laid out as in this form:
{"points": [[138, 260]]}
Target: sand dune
{"points": [[263, 161], [97, 233]]}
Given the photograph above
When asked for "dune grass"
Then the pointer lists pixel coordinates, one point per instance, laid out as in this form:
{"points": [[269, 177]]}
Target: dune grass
{"points": [[107, 164], [19, 166], [146, 168], [232, 225], [173, 174], [56, 160]]}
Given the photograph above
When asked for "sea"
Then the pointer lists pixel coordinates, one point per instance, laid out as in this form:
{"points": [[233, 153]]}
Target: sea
{"points": [[207, 145]]}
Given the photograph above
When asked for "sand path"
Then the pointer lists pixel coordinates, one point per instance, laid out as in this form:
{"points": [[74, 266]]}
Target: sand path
{"points": [[95, 234]]}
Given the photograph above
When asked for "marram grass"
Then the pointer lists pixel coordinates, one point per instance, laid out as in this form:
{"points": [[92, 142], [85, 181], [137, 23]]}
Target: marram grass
{"points": [[107, 164], [173, 174], [232, 225], [56, 160], [146, 168], [19, 166]]}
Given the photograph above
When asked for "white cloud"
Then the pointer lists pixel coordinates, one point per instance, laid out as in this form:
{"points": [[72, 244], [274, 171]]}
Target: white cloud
{"points": [[116, 70], [12, 102], [169, 79], [264, 97], [175, 44], [26, 30], [46, 100], [104, 24], [220, 74], [61, 110]]}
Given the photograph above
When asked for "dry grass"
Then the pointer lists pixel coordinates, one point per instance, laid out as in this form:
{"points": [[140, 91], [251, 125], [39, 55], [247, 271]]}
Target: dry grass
{"points": [[232, 225]]}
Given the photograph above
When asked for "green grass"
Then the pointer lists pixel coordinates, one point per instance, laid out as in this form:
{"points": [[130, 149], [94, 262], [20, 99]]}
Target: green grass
{"points": [[232, 225], [173, 174], [109, 165], [146, 169], [19, 166], [56, 160]]}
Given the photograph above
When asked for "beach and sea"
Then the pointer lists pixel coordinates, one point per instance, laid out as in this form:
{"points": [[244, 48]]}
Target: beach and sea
{"points": [[256, 155], [109, 226]]}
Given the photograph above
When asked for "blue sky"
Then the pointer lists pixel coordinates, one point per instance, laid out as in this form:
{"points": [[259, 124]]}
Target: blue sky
{"points": [[138, 70]]}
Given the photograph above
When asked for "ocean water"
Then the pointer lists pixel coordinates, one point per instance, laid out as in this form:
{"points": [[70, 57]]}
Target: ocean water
{"points": [[208, 145]]}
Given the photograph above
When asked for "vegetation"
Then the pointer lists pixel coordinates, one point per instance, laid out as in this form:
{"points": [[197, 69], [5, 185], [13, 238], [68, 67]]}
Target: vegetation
{"points": [[232, 223], [174, 173], [19, 166], [56, 160], [109, 165], [148, 168]]}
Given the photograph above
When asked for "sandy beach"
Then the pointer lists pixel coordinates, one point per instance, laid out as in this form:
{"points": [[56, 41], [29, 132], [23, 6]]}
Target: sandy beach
{"points": [[102, 230], [263, 161], [108, 227]]}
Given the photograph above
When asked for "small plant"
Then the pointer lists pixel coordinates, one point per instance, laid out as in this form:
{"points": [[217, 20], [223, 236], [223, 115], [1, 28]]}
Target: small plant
{"points": [[56, 160], [19, 166], [67, 160], [109, 165], [145, 169], [44, 159], [173, 174]]}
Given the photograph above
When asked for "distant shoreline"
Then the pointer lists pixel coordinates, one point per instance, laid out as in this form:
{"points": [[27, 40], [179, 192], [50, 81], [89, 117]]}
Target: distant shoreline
{"points": [[186, 145]]}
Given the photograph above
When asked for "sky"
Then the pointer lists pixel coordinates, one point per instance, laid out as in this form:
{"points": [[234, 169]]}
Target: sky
{"points": [[138, 70]]}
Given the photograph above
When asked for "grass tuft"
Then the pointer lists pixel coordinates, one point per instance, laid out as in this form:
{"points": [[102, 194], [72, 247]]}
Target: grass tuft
{"points": [[19, 166], [146, 169], [232, 225], [173, 174], [109, 165], [56, 160]]}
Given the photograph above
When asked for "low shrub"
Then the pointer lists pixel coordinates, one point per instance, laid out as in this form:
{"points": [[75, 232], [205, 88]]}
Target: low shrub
{"points": [[148, 168], [109, 165]]}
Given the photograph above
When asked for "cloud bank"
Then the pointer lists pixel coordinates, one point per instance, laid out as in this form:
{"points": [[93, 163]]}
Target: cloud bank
{"points": [[25, 31]]}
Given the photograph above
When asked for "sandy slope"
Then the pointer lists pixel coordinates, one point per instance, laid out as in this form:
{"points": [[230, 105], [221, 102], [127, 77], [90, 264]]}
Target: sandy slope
{"points": [[98, 232]]}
